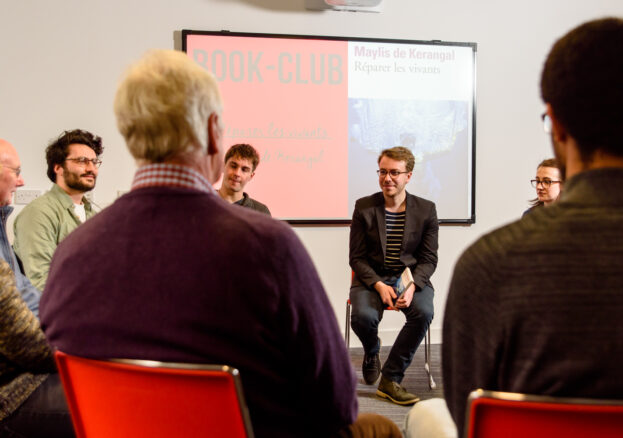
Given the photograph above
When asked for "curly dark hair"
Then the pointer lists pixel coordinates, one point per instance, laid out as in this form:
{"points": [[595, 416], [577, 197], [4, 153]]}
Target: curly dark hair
{"points": [[582, 80], [244, 151], [57, 150]]}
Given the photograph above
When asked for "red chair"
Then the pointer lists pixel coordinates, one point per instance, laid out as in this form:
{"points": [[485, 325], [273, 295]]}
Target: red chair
{"points": [[131, 398], [427, 355], [511, 415]]}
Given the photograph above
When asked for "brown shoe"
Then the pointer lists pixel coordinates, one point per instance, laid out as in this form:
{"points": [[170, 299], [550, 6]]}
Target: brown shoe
{"points": [[395, 393]]}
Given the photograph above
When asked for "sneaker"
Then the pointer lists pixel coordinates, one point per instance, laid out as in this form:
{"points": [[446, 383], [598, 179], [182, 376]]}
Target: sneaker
{"points": [[395, 393], [371, 367]]}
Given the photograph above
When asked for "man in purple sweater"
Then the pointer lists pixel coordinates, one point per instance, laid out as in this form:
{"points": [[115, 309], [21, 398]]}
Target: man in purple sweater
{"points": [[172, 272]]}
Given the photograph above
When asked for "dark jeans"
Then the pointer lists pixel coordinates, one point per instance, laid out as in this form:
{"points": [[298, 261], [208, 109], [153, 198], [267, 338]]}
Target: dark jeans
{"points": [[367, 312], [43, 415]]}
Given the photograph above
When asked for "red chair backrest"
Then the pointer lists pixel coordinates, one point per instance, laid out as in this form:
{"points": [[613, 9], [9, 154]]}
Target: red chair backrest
{"points": [[126, 398], [511, 415]]}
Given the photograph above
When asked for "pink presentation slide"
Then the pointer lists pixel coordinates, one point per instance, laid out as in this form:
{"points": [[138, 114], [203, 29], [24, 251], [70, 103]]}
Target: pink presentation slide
{"points": [[290, 102]]}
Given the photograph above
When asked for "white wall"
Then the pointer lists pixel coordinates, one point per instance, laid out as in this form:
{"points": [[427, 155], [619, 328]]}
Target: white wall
{"points": [[60, 62]]}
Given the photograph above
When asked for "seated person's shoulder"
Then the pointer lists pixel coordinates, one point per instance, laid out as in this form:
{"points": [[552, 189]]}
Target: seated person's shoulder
{"points": [[35, 205], [255, 220], [266, 238], [369, 201], [41, 209], [495, 246], [258, 206]]}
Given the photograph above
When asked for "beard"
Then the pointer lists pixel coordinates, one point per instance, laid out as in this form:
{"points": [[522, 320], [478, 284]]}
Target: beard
{"points": [[73, 181]]}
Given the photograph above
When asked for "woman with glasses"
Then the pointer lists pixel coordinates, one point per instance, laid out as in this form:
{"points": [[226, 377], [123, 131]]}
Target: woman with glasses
{"points": [[548, 184]]}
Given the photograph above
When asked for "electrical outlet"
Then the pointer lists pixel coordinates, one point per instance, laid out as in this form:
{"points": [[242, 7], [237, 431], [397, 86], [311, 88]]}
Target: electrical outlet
{"points": [[23, 197]]}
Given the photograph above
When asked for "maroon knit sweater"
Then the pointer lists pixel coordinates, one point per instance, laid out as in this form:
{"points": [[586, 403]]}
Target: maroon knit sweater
{"points": [[179, 275]]}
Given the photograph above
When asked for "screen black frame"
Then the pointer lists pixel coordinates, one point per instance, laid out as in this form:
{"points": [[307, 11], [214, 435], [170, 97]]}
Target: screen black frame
{"points": [[463, 221]]}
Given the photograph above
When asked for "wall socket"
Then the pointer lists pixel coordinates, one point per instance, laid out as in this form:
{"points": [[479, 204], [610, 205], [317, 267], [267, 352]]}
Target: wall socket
{"points": [[23, 197]]}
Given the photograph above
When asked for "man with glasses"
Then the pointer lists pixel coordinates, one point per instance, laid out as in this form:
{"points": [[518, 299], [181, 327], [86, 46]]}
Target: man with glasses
{"points": [[392, 230], [535, 306], [73, 162], [10, 180]]}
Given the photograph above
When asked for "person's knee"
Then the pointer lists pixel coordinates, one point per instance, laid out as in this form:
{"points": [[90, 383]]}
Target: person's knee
{"points": [[423, 306], [427, 315], [419, 319], [430, 419], [365, 319]]}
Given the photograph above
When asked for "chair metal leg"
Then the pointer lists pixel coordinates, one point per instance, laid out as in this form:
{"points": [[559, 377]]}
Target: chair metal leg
{"points": [[347, 324], [427, 355]]}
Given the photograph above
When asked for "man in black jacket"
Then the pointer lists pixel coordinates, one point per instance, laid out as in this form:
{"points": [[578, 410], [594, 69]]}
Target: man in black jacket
{"points": [[390, 231]]}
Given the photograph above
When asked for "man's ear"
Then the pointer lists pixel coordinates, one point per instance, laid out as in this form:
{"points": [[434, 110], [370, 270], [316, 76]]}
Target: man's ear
{"points": [[214, 135], [58, 169], [559, 133]]}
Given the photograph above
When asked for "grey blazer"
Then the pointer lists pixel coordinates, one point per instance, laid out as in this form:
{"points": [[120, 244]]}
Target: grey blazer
{"points": [[368, 240]]}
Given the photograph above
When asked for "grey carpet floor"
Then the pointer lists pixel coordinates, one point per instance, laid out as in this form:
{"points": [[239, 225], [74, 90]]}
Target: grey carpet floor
{"points": [[415, 381]]}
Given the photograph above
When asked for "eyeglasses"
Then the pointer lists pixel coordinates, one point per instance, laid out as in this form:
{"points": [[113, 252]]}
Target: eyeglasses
{"points": [[547, 183], [547, 123], [17, 170], [393, 173], [84, 161]]}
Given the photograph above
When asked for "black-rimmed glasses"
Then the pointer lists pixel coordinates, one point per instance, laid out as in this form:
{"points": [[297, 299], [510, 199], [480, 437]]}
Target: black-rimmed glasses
{"points": [[393, 173], [547, 183], [17, 170], [84, 161]]}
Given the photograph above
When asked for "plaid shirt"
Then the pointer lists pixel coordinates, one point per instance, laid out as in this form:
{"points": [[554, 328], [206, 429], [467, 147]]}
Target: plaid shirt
{"points": [[170, 175]]}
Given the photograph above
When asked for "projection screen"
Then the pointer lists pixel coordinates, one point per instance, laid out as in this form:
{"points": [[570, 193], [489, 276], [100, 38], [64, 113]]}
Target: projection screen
{"points": [[320, 109]]}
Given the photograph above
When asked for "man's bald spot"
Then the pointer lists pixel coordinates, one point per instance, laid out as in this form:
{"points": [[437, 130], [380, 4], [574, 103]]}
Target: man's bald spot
{"points": [[6, 148]]}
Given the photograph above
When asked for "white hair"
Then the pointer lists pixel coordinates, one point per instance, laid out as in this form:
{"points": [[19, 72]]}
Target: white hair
{"points": [[163, 104]]}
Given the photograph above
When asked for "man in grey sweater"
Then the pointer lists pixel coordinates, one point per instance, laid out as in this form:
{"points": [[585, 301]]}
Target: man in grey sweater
{"points": [[535, 306]]}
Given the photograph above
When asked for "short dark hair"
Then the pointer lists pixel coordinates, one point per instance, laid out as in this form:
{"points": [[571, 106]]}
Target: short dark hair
{"points": [[244, 151], [582, 80], [58, 149], [399, 153]]}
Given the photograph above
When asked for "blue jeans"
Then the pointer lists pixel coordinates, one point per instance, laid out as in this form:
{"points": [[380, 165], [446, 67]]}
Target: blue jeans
{"points": [[367, 312], [44, 414]]}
